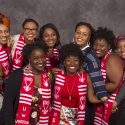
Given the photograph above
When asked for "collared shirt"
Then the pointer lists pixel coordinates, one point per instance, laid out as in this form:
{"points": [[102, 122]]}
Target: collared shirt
{"points": [[92, 66]]}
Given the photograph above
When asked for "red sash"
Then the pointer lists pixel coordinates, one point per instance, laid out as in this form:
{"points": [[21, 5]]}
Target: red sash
{"points": [[103, 111], [5, 62], [82, 91], [25, 100], [17, 58]]}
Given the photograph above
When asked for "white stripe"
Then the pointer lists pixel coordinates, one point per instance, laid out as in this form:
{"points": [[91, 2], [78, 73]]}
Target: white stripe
{"points": [[46, 97], [19, 48], [46, 90], [57, 106], [56, 109], [82, 86], [57, 102], [46, 117], [62, 77], [23, 102], [1, 53], [3, 59], [60, 80], [59, 83], [25, 99], [82, 89], [43, 121], [27, 95]]}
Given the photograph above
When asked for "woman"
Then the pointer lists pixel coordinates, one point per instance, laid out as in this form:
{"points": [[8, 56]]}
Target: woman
{"points": [[5, 66], [118, 118], [112, 70], [50, 36], [29, 33], [27, 100], [82, 37], [71, 88]]}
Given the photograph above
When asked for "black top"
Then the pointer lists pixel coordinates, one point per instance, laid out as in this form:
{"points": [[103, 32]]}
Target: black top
{"points": [[11, 98]]}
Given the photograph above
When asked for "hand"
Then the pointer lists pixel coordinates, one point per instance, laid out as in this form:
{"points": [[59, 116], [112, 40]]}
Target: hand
{"points": [[104, 99], [114, 107]]}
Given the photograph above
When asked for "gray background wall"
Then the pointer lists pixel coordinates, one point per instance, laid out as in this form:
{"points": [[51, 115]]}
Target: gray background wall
{"points": [[66, 13]]}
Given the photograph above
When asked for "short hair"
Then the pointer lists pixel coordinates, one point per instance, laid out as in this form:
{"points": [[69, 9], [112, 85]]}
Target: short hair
{"points": [[52, 26], [92, 30], [71, 50], [29, 48], [104, 33], [30, 20]]}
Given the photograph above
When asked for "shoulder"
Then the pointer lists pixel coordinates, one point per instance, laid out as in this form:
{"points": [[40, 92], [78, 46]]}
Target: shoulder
{"points": [[15, 37], [92, 56], [16, 74], [114, 58]]}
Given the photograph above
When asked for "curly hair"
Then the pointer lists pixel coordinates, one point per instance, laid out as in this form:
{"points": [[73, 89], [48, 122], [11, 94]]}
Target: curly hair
{"points": [[104, 33], [71, 50], [52, 26], [29, 48], [92, 30]]}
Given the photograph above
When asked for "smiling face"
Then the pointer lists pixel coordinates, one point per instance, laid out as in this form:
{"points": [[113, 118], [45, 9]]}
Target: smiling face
{"points": [[4, 34], [82, 35], [30, 31], [121, 48], [101, 47], [37, 60], [72, 64], [49, 37]]}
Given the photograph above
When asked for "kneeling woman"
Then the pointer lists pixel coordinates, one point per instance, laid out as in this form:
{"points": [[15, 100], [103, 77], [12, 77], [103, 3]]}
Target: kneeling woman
{"points": [[27, 94], [70, 91]]}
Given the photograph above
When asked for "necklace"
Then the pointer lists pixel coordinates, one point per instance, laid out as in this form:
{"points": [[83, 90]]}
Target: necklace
{"points": [[70, 92]]}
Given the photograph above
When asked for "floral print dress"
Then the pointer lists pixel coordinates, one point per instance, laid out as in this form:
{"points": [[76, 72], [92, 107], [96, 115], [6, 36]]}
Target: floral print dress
{"points": [[35, 107]]}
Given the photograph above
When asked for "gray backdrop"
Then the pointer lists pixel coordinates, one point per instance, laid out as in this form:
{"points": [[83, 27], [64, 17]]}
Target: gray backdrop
{"points": [[66, 13]]}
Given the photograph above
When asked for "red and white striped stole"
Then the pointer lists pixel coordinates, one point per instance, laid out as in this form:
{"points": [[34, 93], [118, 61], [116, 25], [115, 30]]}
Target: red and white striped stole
{"points": [[103, 111], [82, 89], [17, 58], [5, 62], [25, 100], [52, 62]]}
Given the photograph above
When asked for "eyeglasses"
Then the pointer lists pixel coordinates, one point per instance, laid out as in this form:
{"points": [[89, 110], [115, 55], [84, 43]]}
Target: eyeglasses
{"points": [[29, 30]]}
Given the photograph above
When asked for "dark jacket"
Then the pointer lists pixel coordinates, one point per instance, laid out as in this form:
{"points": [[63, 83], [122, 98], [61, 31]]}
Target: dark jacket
{"points": [[10, 103]]}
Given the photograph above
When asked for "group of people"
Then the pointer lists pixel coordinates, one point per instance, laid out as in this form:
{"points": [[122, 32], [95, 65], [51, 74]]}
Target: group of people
{"points": [[44, 83]]}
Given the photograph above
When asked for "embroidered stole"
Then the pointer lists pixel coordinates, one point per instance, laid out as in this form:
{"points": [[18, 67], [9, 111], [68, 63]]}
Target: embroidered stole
{"points": [[52, 62], [82, 89], [103, 111], [17, 57], [5, 62], [25, 100]]}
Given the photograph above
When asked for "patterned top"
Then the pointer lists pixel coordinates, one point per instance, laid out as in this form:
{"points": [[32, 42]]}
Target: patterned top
{"points": [[92, 66], [35, 107]]}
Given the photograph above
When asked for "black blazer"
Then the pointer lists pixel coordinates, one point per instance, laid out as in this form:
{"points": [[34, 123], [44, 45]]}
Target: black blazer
{"points": [[11, 98]]}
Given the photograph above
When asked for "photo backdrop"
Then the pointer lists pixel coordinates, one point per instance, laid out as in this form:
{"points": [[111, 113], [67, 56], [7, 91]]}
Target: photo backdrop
{"points": [[66, 13]]}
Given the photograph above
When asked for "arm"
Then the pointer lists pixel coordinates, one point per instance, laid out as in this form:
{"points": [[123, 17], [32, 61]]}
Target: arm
{"points": [[96, 76], [114, 70], [91, 96]]}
